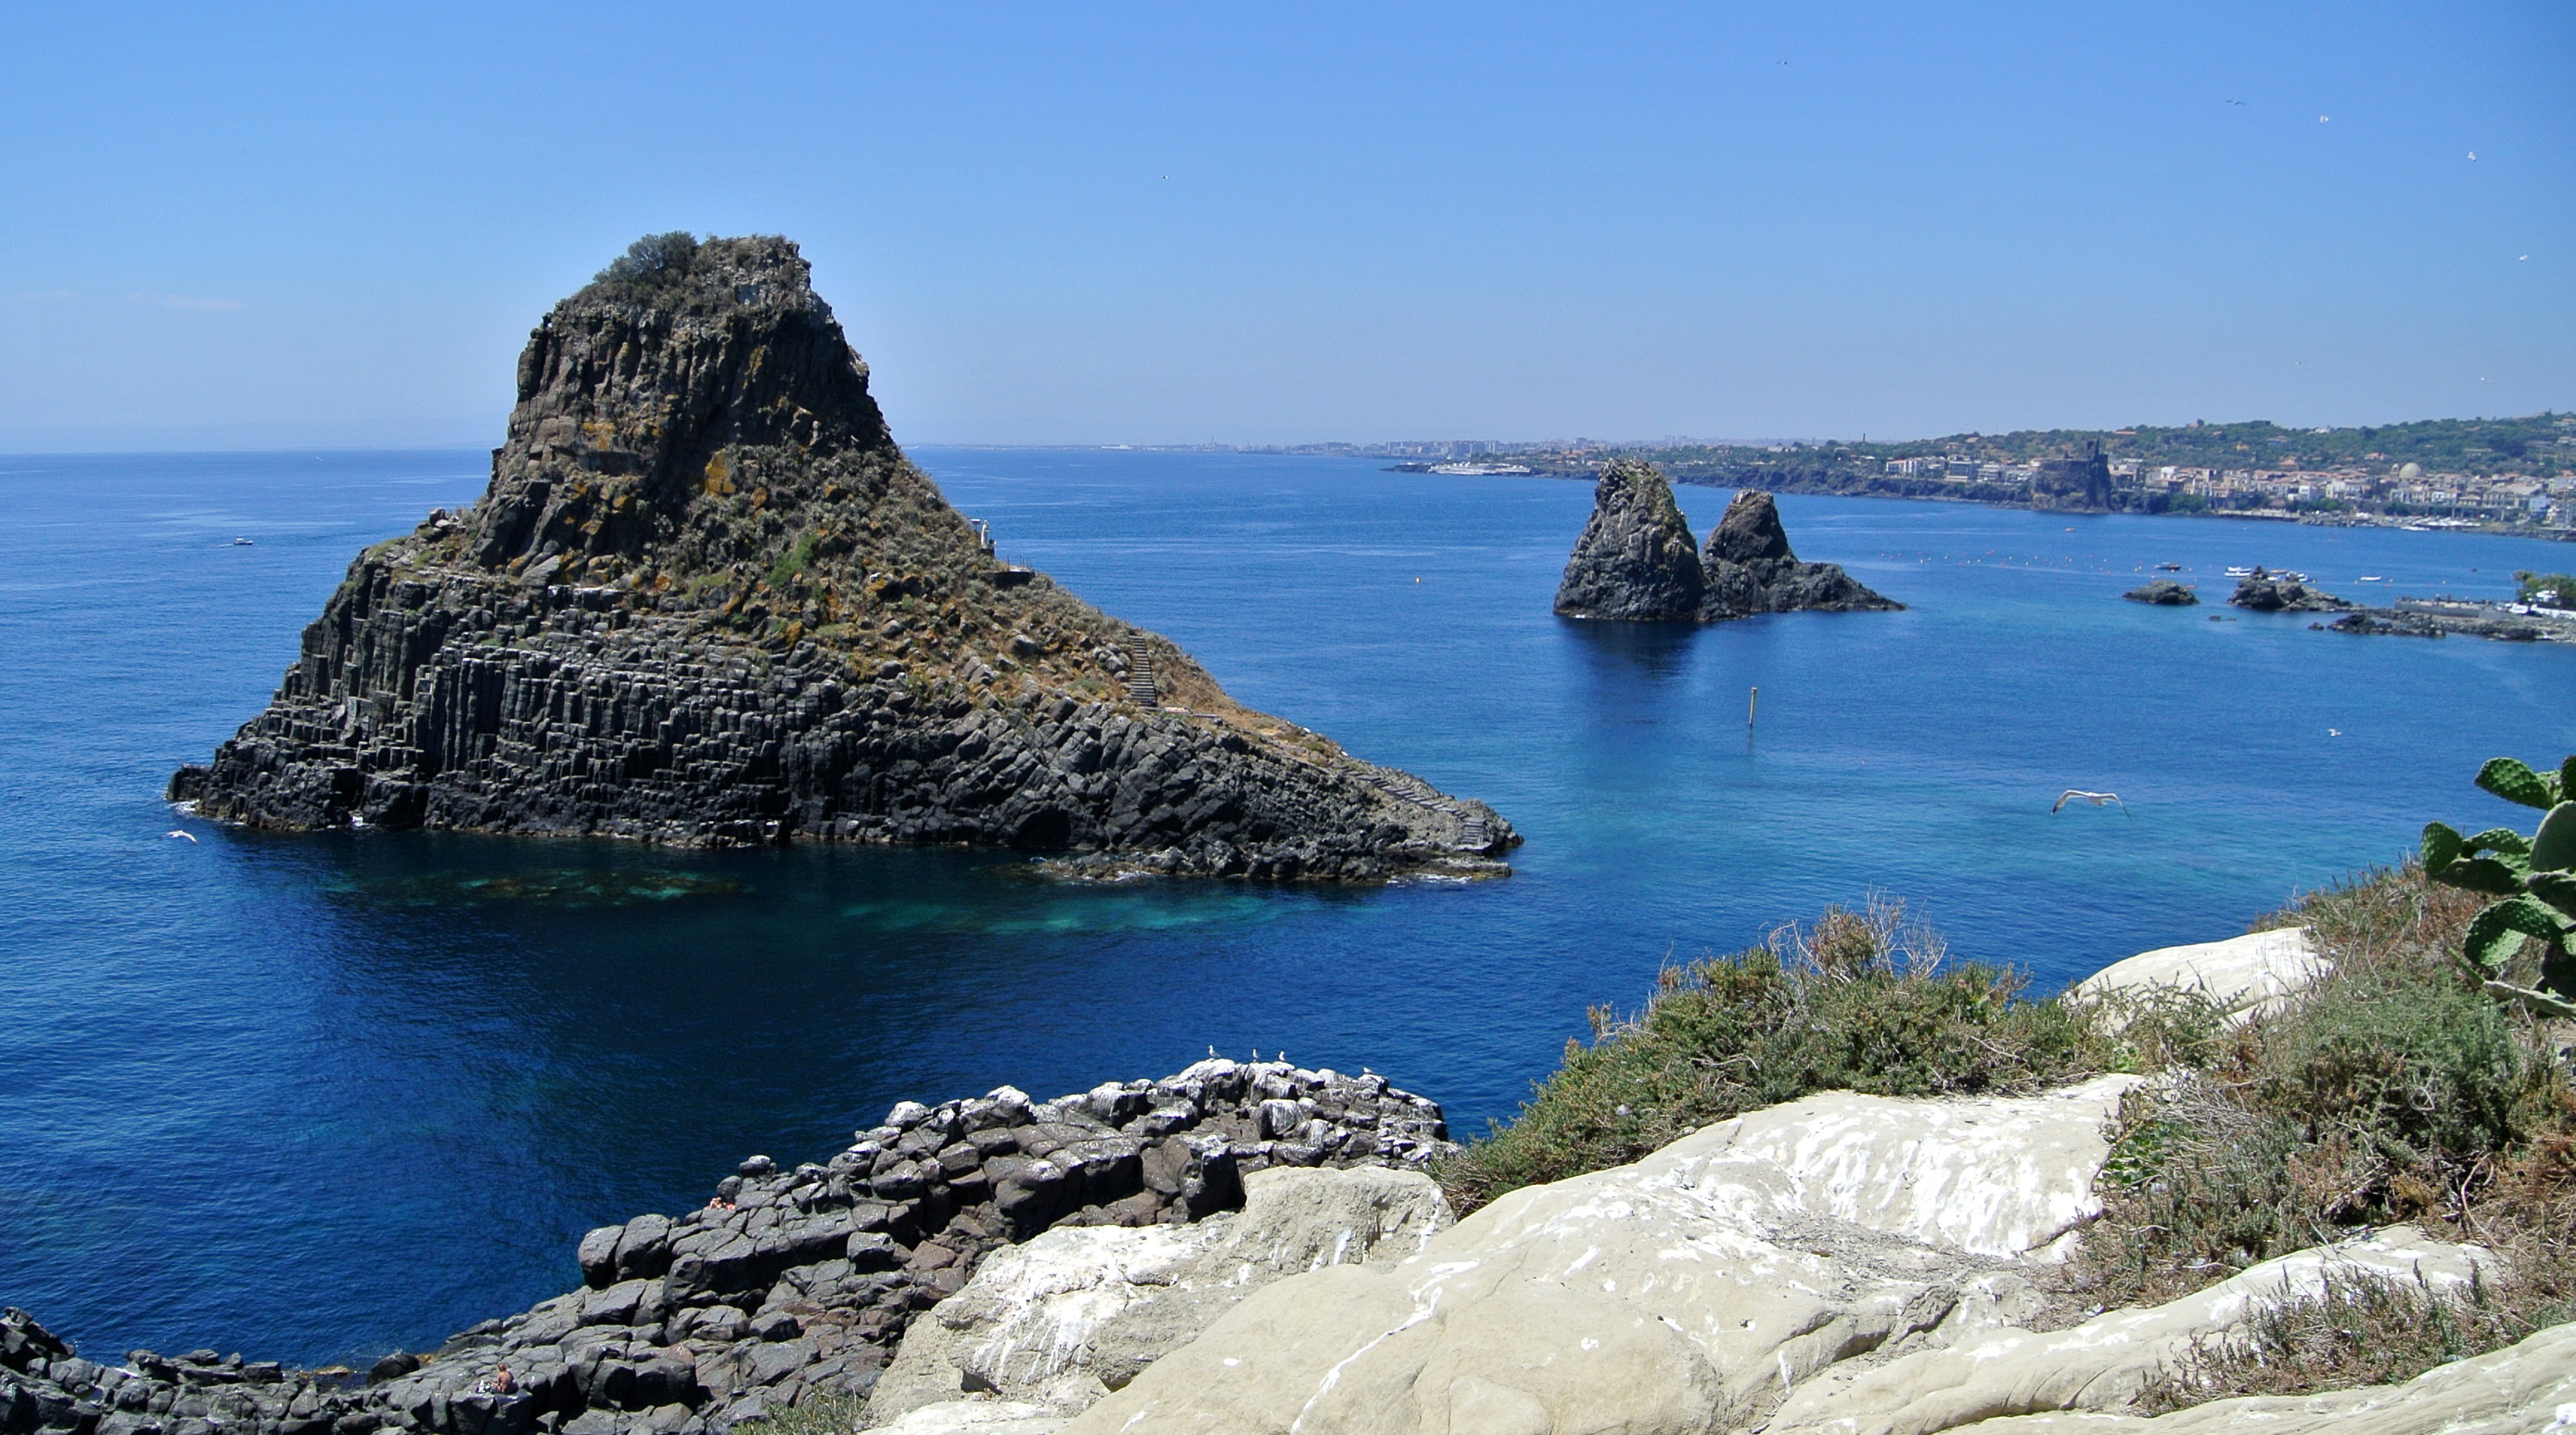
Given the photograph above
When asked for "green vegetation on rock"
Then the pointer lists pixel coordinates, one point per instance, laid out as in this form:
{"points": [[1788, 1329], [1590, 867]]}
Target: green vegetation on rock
{"points": [[1861, 1001], [2517, 947], [2397, 1088]]}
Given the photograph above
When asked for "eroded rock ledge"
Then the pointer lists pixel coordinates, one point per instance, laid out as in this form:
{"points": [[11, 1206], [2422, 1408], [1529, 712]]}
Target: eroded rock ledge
{"points": [[706, 600], [788, 1284]]}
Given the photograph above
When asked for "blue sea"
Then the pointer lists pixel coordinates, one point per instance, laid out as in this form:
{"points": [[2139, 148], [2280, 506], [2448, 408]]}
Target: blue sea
{"points": [[316, 1097]]}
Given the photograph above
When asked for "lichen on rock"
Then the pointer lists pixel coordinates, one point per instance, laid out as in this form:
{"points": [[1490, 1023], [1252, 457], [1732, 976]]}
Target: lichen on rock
{"points": [[707, 600]]}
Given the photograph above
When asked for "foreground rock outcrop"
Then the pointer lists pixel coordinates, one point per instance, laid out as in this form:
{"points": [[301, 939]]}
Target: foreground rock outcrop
{"points": [[1634, 561], [788, 1284], [1059, 1322], [707, 600]]}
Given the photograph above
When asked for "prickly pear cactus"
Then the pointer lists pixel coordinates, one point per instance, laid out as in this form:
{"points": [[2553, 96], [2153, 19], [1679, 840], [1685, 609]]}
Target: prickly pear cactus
{"points": [[2534, 879]]}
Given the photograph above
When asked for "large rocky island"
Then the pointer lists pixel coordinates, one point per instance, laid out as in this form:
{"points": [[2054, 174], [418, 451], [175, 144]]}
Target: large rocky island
{"points": [[707, 600], [1634, 561]]}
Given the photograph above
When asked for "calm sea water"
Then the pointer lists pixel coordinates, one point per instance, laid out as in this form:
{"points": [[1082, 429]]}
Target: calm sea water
{"points": [[315, 1097]]}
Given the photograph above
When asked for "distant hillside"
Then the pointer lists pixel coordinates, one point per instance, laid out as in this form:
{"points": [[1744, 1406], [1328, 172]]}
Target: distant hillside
{"points": [[2541, 444]]}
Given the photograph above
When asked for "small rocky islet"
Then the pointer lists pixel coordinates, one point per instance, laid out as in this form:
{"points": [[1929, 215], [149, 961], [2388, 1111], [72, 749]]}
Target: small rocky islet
{"points": [[706, 600], [1636, 562], [2261, 590]]}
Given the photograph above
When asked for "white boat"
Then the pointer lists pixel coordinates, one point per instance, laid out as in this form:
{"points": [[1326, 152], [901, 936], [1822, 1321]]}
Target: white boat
{"points": [[241, 543], [2240, 572]]}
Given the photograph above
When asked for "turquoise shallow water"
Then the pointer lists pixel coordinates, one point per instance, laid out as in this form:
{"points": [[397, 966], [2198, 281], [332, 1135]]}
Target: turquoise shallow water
{"points": [[313, 1097]]}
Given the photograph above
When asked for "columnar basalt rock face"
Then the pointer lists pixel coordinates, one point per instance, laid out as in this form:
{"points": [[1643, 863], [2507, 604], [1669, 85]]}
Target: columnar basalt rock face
{"points": [[706, 600], [1634, 560], [789, 1284], [1750, 569]]}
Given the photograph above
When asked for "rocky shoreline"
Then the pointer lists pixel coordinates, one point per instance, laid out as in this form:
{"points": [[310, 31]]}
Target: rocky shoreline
{"points": [[789, 1284]]}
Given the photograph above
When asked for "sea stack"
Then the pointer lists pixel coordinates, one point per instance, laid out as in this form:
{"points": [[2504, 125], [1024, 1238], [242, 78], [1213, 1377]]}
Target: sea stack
{"points": [[1635, 562], [706, 600], [1749, 568]]}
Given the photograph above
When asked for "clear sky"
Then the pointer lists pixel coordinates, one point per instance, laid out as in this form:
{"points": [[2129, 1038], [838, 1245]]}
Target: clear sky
{"points": [[230, 226]]}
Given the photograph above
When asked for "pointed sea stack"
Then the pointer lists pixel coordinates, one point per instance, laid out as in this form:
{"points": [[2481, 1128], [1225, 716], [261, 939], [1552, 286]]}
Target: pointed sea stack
{"points": [[1749, 568], [706, 600], [1634, 560]]}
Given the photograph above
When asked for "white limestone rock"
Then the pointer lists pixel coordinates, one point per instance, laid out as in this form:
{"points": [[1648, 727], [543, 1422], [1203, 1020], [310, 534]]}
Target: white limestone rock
{"points": [[2102, 1364], [1075, 1312], [2525, 1389], [975, 1417], [1687, 1292], [2246, 976]]}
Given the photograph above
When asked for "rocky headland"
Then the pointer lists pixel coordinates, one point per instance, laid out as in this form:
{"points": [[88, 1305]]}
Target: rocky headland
{"points": [[1635, 561], [707, 600]]}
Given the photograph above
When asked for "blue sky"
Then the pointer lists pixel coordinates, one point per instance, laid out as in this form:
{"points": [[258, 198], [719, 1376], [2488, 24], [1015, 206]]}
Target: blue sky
{"points": [[250, 225]]}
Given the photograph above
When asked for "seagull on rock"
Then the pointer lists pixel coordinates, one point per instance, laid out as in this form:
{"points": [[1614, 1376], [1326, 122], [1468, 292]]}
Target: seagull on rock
{"points": [[2098, 799]]}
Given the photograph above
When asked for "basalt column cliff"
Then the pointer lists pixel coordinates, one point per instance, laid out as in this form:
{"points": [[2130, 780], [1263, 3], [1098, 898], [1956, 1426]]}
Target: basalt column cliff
{"points": [[707, 600]]}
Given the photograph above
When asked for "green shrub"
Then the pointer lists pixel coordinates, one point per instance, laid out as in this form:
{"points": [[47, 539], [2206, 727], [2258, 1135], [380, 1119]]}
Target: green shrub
{"points": [[1862, 1001], [2394, 1089], [2365, 1328], [651, 261], [816, 1413]]}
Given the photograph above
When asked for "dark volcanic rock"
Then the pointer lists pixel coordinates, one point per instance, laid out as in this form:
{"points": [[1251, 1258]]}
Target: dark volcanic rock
{"points": [[2262, 592], [1634, 560], [787, 1287], [1749, 568], [2385, 624], [707, 600], [2164, 592]]}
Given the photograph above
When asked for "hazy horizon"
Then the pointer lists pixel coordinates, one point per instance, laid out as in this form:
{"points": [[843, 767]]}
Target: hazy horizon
{"points": [[315, 228]]}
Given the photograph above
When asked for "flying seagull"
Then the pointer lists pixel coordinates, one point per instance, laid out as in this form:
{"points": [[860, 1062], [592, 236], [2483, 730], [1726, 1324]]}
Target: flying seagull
{"points": [[2098, 799], [191, 836]]}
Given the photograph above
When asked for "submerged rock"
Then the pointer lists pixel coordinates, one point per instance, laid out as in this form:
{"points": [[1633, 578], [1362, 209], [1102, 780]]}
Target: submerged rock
{"points": [[707, 600], [1749, 568], [1634, 560], [2164, 592]]}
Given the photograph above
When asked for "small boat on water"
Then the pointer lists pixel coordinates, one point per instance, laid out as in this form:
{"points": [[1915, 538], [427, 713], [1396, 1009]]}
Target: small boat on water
{"points": [[2240, 572], [2372, 578], [241, 543], [2168, 567]]}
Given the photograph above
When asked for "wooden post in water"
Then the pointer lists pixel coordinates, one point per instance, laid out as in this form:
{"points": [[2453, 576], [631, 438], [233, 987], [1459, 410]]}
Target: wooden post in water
{"points": [[1750, 704]]}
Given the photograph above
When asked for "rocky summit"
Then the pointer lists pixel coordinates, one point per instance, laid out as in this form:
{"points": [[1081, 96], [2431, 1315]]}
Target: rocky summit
{"points": [[1635, 560], [707, 600], [1750, 569]]}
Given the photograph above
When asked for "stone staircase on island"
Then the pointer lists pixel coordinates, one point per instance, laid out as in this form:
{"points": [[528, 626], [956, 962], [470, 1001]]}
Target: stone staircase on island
{"points": [[1140, 675]]}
